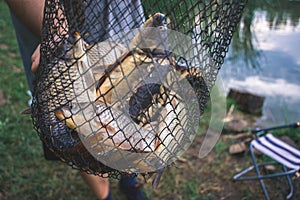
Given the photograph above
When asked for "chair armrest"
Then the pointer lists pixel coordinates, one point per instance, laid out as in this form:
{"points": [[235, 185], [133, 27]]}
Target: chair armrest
{"points": [[259, 132]]}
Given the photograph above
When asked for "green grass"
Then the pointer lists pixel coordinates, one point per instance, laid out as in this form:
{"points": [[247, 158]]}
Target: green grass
{"points": [[220, 147], [293, 133], [24, 173]]}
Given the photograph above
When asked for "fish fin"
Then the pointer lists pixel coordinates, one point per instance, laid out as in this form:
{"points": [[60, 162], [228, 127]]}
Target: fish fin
{"points": [[157, 178], [27, 111]]}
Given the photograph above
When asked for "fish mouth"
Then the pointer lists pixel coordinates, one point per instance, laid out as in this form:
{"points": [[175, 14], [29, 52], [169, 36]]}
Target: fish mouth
{"points": [[65, 115], [60, 114], [159, 20]]}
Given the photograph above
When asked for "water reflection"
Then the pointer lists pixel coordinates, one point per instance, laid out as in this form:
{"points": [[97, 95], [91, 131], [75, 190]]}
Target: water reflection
{"points": [[263, 58]]}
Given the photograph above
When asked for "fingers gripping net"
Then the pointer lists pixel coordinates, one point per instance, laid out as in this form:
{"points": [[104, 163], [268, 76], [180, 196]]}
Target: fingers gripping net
{"points": [[122, 84]]}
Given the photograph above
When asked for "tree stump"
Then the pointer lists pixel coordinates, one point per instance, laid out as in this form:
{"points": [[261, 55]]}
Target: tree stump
{"points": [[247, 102]]}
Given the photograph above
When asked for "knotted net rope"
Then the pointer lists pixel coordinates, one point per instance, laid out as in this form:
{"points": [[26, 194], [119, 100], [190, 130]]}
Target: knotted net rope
{"points": [[122, 84]]}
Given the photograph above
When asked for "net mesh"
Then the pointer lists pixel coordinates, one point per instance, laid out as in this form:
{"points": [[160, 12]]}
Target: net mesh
{"points": [[122, 84]]}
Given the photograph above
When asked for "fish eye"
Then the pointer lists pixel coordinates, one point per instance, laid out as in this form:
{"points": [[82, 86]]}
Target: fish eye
{"points": [[74, 107]]}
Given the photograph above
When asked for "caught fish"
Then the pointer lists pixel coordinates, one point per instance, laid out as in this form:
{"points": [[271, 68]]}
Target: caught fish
{"points": [[111, 127], [124, 108]]}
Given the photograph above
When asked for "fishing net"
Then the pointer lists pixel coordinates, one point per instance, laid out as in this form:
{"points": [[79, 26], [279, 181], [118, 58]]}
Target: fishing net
{"points": [[121, 84]]}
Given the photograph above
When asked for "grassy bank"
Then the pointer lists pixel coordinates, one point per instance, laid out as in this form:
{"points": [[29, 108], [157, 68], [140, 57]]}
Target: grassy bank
{"points": [[24, 173]]}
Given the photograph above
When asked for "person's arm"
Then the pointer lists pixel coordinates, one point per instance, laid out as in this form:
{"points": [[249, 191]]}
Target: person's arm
{"points": [[30, 12]]}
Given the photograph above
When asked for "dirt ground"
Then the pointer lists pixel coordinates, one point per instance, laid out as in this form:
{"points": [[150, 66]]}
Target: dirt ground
{"points": [[210, 178], [216, 172]]}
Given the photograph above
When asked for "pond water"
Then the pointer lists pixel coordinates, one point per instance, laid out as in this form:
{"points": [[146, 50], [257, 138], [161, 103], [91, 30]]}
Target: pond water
{"points": [[264, 59]]}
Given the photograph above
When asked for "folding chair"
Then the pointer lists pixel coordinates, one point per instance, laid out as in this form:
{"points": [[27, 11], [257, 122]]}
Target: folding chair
{"points": [[282, 154]]}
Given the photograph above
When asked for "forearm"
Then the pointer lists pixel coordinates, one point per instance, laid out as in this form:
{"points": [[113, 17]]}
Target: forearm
{"points": [[30, 12]]}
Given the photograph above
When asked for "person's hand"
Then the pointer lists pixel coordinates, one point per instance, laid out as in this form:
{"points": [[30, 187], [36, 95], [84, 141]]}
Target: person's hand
{"points": [[35, 59]]}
